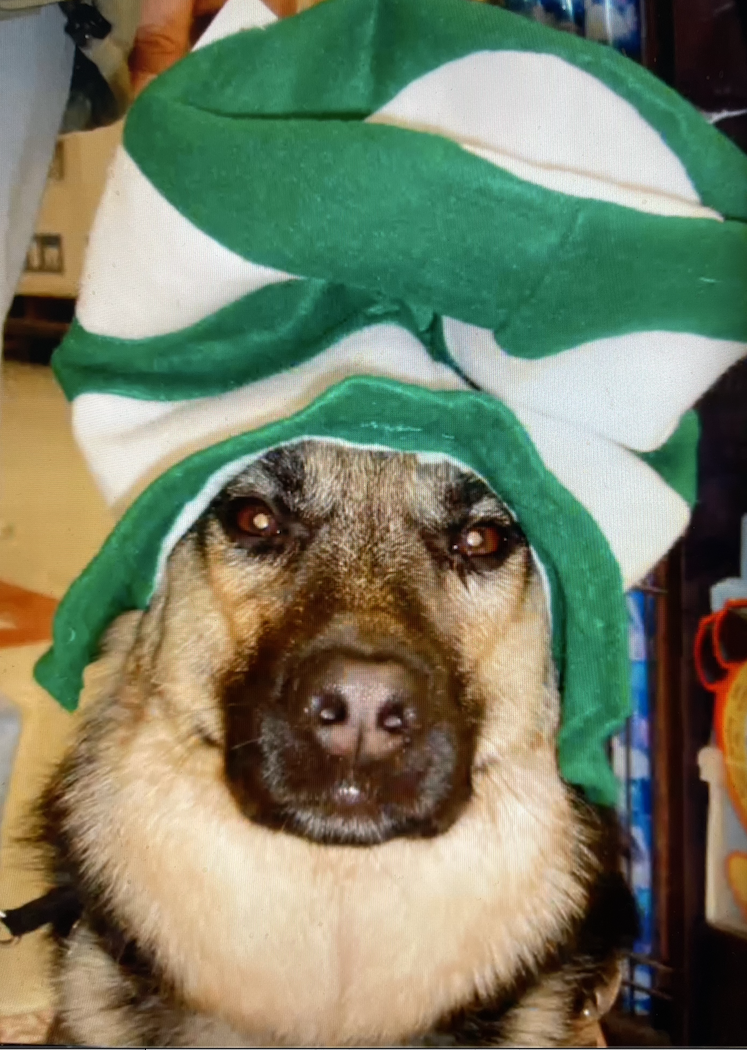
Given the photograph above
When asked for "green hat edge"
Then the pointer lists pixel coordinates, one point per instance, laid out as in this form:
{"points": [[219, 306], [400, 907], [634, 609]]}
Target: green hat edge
{"points": [[588, 606]]}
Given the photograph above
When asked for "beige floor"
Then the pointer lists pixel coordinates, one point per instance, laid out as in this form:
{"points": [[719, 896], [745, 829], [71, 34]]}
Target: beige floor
{"points": [[52, 521]]}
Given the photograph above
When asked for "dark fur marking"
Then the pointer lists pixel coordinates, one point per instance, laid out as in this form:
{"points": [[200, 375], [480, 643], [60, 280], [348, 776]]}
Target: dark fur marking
{"points": [[262, 788]]}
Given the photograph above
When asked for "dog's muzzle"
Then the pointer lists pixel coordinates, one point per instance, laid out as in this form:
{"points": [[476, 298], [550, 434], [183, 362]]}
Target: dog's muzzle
{"points": [[349, 742]]}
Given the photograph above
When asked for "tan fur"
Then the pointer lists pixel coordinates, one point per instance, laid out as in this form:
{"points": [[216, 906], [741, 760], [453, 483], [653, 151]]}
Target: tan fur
{"points": [[89, 994], [272, 935]]}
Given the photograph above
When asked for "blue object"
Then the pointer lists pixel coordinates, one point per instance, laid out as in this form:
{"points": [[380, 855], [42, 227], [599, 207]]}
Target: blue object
{"points": [[562, 14], [10, 732], [615, 22], [631, 756]]}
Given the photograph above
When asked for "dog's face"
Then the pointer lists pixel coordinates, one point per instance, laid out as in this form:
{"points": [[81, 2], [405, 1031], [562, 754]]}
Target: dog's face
{"points": [[371, 628], [340, 703]]}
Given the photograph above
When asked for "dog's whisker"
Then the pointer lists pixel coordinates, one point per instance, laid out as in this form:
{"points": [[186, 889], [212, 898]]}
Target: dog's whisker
{"points": [[244, 743]]}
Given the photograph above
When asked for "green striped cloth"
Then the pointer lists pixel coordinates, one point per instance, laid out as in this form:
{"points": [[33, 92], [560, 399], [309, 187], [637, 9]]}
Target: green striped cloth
{"points": [[421, 225]]}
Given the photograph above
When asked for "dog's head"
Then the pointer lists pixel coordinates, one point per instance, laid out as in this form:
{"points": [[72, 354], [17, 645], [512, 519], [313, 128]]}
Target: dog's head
{"points": [[359, 632], [340, 704]]}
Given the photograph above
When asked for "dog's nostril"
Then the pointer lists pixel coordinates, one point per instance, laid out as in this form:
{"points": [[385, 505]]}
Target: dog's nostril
{"points": [[359, 708], [392, 717], [331, 709]]}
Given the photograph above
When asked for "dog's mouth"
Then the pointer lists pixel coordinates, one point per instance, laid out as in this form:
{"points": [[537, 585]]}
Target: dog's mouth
{"points": [[350, 750]]}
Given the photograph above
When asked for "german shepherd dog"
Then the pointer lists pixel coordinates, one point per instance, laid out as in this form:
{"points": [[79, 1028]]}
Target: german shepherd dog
{"points": [[315, 800]]}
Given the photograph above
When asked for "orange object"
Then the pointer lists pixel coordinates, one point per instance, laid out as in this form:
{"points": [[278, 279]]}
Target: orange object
{"points": [[736, 873], [25, 616], [167, 31], [721, 663], [169, 28]]}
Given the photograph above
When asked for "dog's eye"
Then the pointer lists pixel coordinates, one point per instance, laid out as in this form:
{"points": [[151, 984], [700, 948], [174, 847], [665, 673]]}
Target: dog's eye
{"points": [[254, 518], [476, 541]]}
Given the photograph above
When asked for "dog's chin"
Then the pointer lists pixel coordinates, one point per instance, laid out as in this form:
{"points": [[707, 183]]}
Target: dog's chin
{"points": [[346, 816], [336, 829], [329, 828]]}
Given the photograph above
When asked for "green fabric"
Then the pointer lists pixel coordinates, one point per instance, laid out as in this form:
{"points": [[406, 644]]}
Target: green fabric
{"points": [[386, 44], [415, 217], [244, 343], [589, 621], [278, 327], [676, 461]]}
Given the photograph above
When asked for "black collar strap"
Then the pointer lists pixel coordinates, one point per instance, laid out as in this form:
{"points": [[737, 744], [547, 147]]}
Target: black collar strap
{"points": [[60, 908]]}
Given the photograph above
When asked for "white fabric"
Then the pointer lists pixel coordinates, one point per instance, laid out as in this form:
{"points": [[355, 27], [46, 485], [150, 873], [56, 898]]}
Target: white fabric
{"points": [[638, 513], [550, 123], [235, 16], [36, 64], [629, 388], [149, 234], [128, 442], [579, 184], [149, 270]]}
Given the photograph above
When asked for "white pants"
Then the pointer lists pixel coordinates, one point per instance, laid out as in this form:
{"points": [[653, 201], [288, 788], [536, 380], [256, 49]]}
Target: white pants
{"points": [[36, 63]]}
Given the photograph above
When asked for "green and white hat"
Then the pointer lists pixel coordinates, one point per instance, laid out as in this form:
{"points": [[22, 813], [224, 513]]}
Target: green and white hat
{"points": [[424, 225]]}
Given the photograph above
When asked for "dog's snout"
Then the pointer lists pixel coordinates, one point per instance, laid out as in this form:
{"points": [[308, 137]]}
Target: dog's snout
{"points": [[361, 708], [357, 739]]}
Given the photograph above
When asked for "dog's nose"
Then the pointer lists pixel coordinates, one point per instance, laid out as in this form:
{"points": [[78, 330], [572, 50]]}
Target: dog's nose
{"points": [[361, 708]]}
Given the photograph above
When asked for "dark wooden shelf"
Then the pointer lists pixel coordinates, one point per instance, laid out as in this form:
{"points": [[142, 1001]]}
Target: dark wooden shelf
{"points": [[35, 327]]}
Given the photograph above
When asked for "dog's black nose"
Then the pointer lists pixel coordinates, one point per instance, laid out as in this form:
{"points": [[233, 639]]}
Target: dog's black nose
{"points": [[354, 741], [363, 709]]}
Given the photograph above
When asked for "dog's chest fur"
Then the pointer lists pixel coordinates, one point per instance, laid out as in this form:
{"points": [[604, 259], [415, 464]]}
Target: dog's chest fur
{"points": [[344, 945]]}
